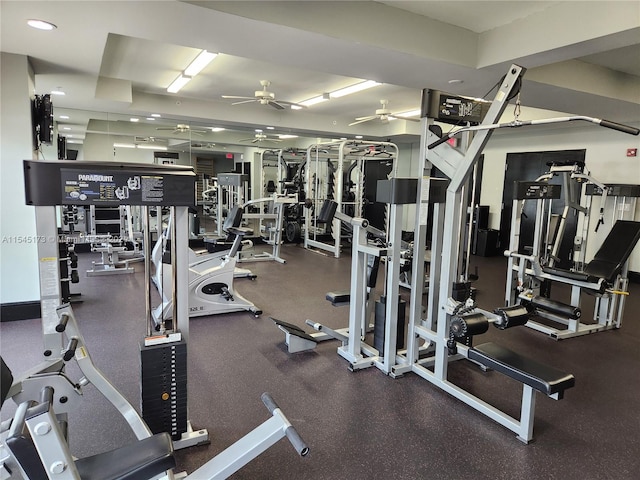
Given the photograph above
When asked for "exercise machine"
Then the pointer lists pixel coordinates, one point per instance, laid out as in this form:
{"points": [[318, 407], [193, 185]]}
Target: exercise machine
{"points": [[451, 323], [210, 282], [33, 444], [345, 172], [114, 236], [48, 184], [272, 231], [530, 275], [444, 331]]}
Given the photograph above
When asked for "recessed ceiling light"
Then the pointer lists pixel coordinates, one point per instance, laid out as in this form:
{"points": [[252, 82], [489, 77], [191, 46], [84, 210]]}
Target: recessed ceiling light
{"points": [[64, 117], [271, 128], [134, 119], [258, 130], [358, 137], [217, 129], [156, 115], [41, 24], [455, 81], [285, 136], [151, 119], [57, 92], [66, 128]]}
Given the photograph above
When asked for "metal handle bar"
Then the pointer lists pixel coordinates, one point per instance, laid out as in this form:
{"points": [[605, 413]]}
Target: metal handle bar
{"points": [[598, 121], [290, 431]]}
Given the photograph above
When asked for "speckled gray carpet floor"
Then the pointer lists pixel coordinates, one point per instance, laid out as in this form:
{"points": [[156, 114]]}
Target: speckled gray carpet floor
{"points": [[361, 425]]}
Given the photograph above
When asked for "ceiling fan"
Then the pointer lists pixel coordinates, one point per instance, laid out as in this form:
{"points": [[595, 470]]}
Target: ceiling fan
{"points": [[183, 128], [260, 137], [383, 114], [264, 98]]}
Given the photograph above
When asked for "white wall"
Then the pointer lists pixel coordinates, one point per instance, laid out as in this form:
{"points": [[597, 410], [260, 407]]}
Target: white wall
{"points": [[18, 254]]}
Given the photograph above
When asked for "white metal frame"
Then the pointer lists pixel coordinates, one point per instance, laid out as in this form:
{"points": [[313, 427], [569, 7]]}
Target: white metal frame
{"points": [[344, 153]]}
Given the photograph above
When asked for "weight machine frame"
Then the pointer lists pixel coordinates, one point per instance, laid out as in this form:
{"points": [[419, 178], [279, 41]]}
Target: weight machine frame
{"points": [[345, 153]]}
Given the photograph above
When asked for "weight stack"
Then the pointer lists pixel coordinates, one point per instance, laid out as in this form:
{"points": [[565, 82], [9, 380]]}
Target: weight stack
{"points": [[380, 320], [164, 387]]}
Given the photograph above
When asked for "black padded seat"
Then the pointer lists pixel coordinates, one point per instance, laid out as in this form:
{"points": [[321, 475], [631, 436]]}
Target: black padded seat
{"points": [[144, 459], [578, 276], [543, 378], [294, 330], [338, 298]]}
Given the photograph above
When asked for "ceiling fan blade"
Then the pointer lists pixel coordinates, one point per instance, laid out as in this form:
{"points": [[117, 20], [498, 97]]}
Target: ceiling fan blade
{"points": [[365, 119], [370, 117], [276, 105], [243, 101], [238, 97], [404, 118]]}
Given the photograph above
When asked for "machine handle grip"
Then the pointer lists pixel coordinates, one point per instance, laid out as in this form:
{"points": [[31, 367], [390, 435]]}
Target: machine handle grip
{"points": [[291, 433], [439, 142], [71, 350], [620, 127], [297, 441], [62, 324]]}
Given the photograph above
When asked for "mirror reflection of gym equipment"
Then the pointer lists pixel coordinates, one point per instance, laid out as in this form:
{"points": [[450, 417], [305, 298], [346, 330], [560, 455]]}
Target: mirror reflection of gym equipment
{"points": [[345, 172]]}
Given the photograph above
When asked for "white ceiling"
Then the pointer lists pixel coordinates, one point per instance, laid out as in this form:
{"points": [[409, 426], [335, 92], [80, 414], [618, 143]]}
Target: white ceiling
{"points": [[117, 58]]}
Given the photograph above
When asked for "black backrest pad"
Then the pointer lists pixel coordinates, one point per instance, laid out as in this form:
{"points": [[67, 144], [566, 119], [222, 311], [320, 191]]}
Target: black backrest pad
{"points": [[615, 250], [6, 379], [234, 219]]}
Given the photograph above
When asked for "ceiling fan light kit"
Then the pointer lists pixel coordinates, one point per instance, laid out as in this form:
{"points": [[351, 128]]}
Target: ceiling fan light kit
{"points": [[264, 97]]}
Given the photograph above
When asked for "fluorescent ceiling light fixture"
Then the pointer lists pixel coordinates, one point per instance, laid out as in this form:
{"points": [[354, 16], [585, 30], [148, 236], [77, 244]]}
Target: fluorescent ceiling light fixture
{"points": [[201, 61], [358, 137], [217, 129], [152, 147], [358, 87], [134, 119], [315, 100], [151, 119], [74, 141], [66, 128], [285, 136], [178, 83], [410, 113], [156, 115], [296, 107], [271, 128], [64, 117], [41, 24], [57, 92], [259, 130], [124, 145]]}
